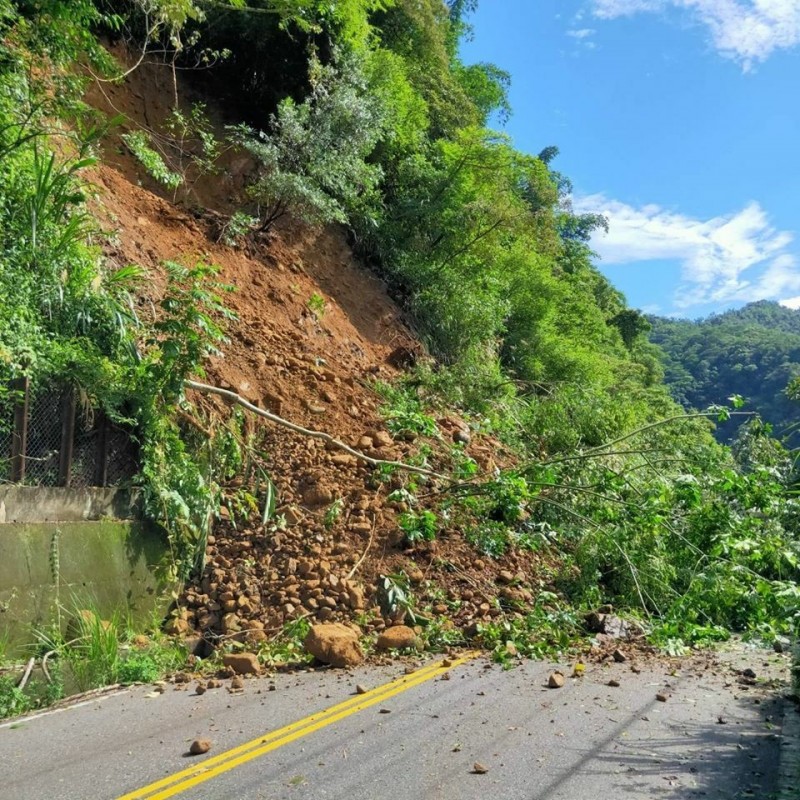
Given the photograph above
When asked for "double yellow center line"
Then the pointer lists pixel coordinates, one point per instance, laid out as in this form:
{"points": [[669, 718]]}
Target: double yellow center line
{"points": [[230, 759]]}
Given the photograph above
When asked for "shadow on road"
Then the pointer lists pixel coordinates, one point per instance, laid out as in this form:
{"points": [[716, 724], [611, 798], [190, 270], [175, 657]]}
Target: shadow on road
{"points": [[733, 756]]}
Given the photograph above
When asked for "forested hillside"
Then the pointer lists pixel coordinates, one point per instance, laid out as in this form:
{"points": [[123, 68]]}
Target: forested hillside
{"points": [[301, 207], [753, 351]]}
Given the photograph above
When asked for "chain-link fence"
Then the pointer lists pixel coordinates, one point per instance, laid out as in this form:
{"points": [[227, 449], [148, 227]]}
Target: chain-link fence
{"points": [[48, 439]]}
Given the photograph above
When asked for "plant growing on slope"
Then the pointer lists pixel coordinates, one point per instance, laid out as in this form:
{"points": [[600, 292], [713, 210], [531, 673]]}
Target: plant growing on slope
{"points": [[182, 153], [312, 163]]}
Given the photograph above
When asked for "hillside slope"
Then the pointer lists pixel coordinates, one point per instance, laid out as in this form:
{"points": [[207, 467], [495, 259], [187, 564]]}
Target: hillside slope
{"points": [[316, 369], [753, 352]]}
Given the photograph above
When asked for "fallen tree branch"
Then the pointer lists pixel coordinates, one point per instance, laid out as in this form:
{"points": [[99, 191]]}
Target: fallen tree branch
{"points": [[26, 674], [284, 423], [364, 554]]}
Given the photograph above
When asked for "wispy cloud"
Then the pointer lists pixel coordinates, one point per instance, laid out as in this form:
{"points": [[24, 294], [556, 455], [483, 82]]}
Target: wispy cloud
{"points": [[737, 257], [581, 33], [583, 38], [748, 31]]}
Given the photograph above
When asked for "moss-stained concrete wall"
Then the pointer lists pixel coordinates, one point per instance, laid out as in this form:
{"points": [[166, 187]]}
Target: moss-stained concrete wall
{"points": [[108, 565]]}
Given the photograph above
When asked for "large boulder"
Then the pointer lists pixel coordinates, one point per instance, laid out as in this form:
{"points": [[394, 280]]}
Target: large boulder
{"points": [[334, 644], [398, 637]]}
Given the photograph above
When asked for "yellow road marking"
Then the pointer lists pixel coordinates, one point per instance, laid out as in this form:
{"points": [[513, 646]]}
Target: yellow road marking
{"points": [[236, 756]]}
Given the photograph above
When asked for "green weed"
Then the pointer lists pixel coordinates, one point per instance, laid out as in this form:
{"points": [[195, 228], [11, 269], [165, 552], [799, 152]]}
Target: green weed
{"points": [[419, 526], [316, 304]]}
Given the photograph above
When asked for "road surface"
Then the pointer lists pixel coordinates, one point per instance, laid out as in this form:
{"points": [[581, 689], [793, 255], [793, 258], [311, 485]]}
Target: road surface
{"points": [[418, 736]]}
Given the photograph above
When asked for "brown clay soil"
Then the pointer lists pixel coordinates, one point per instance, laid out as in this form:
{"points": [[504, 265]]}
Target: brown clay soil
{"points": [[317, 371]]}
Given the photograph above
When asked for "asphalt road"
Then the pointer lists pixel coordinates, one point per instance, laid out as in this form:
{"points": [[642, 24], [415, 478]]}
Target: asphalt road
{"points": [[419, 740]]}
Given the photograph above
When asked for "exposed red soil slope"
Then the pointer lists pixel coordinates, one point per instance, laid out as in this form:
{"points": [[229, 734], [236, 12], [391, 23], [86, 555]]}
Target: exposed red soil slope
{"points": [[315, 371]]}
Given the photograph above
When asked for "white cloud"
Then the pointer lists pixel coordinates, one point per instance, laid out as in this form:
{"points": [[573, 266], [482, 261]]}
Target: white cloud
{"points": [[748, 31], [581, 33], [791, 302], [738, 257]]}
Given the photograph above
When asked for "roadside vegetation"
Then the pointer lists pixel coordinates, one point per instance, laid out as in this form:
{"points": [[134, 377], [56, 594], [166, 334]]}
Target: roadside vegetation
{"points": [[361, 113]]}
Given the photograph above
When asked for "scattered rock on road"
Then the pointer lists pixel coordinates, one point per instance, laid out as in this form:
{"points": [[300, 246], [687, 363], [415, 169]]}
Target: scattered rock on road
{"points": [[334, 644], [619, 656], [662, 697], [200, 746], [479, 769], [242, 663], [556, 680]]}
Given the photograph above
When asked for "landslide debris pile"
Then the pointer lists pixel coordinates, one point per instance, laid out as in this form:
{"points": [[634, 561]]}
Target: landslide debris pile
{"points": [[318, 371], [258, 578]]}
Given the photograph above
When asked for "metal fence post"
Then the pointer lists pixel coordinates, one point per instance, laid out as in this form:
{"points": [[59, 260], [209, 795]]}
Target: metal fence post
{"points": [[101, 456], [67, 437], [19, 438]]}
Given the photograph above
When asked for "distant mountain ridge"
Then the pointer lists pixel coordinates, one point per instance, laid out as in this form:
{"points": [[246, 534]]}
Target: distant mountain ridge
{"points": [[753, 351]]}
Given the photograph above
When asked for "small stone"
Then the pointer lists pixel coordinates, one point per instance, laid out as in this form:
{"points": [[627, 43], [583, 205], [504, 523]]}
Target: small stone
{"points": [[237, 683], [361, 689], [662, 697], [781, 644], [200, 746], [479, 769], [505, 576], [555, 680], [461, 436], [200, 688], [177, 627], [619, 656], [292, 515], [382, 439], [595, 622], [181, 677], [614, 682]]}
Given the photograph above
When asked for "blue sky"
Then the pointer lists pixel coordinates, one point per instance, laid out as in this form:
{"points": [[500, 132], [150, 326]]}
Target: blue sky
{"points": [[677, 119]]}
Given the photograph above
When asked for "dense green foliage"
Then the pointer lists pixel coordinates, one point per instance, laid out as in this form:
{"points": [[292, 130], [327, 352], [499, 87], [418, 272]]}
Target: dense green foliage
{"points": [[66, 313], [361, 112], [753, 352]]}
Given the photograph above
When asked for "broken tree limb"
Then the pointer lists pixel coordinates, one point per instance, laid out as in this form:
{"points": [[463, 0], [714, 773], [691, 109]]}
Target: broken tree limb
{"points": [[26, 674], [326, 437]]}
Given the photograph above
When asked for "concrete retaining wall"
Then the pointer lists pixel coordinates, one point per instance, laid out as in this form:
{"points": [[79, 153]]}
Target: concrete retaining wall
{"points": [[56, 504], [84, 559]]}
